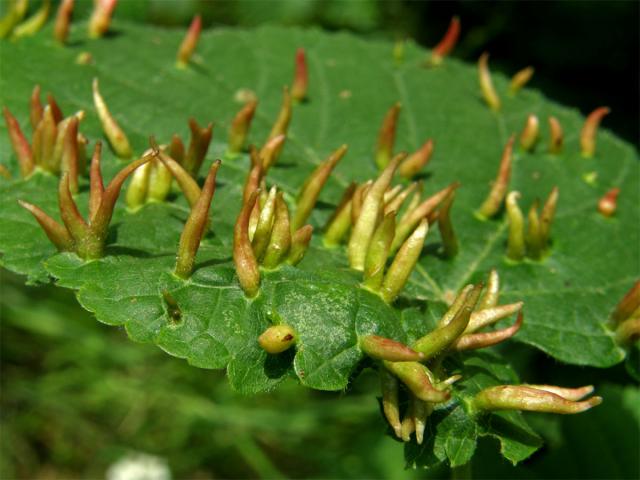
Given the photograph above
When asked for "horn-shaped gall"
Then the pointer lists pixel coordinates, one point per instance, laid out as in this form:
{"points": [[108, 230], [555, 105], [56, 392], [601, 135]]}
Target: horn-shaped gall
{"points": [[520, 79], [526, 398], [493, 202], [308, 196], [63, 21], [487, 89], [415, 162], [404, 263], [243, 256], [530, 133], [196, 226], [448, 42], [387, 136], [116, 136], [101, 17], [382, 348], [590, 129], [556, 136], [189, 43], [300, 82], [240, 128]]}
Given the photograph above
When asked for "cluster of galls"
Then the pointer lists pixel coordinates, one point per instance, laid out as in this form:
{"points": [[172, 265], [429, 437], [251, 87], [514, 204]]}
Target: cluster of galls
{"points": [[13, 24], [416, 371], [382, 244]]}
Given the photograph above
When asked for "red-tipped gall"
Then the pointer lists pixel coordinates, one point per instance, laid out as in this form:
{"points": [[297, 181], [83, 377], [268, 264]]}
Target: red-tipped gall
{"points": [[189, 43], [493, 202], [589, 130], [300, 77]]}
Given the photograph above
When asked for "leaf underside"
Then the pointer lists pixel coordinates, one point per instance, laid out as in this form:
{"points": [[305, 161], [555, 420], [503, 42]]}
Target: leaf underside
{"points": [[568, 296]]}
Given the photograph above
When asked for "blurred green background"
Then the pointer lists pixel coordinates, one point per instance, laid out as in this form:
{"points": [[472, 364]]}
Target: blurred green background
{"points": [[77, 397]]}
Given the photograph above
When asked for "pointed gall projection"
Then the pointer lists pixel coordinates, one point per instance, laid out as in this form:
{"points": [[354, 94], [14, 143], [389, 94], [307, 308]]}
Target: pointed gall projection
{"points": [[63, 21], [447, 43], [35, 107], [198, 147], [413, 216], [196, 226], [358, 199], [34, 23], [280, 241], [417, 378], [57, 234], [96, 184], [20, 145], [262, 233], [117, 138], [387, 137], [415, 162], [547, 215], [137, 190], [369, 216], [299, 244], [390, 403], [530, 133], [277, 339], [526, 398], [629, 304], [515, 240], [176, 149], [254, 177], [556, 136], [486, 84], [421, 411], [187, 183], [408, 425], [308, 196], [382, 348], [14, 13], [589, 131], [240, 128], [448, 235], [243, 256], [628, 332], [189, 43], [608, 204], [101, 17], [69, 156], [403, 263], [443, 337], [300, 77], [474, 341], [340, 222], [489, 316], [378, 252], [468, 297], [492, 292], [533, 238], [520, 79], [280, 127], [493, 202], [396, 203], [573, 394], [270, 152]]}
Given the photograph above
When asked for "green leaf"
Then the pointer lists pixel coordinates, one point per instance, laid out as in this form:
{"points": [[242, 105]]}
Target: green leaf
{"points": [[568, 295]]}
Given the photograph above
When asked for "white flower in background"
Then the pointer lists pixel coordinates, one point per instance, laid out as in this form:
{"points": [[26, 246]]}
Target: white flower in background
{"points": [[139, 466]]}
